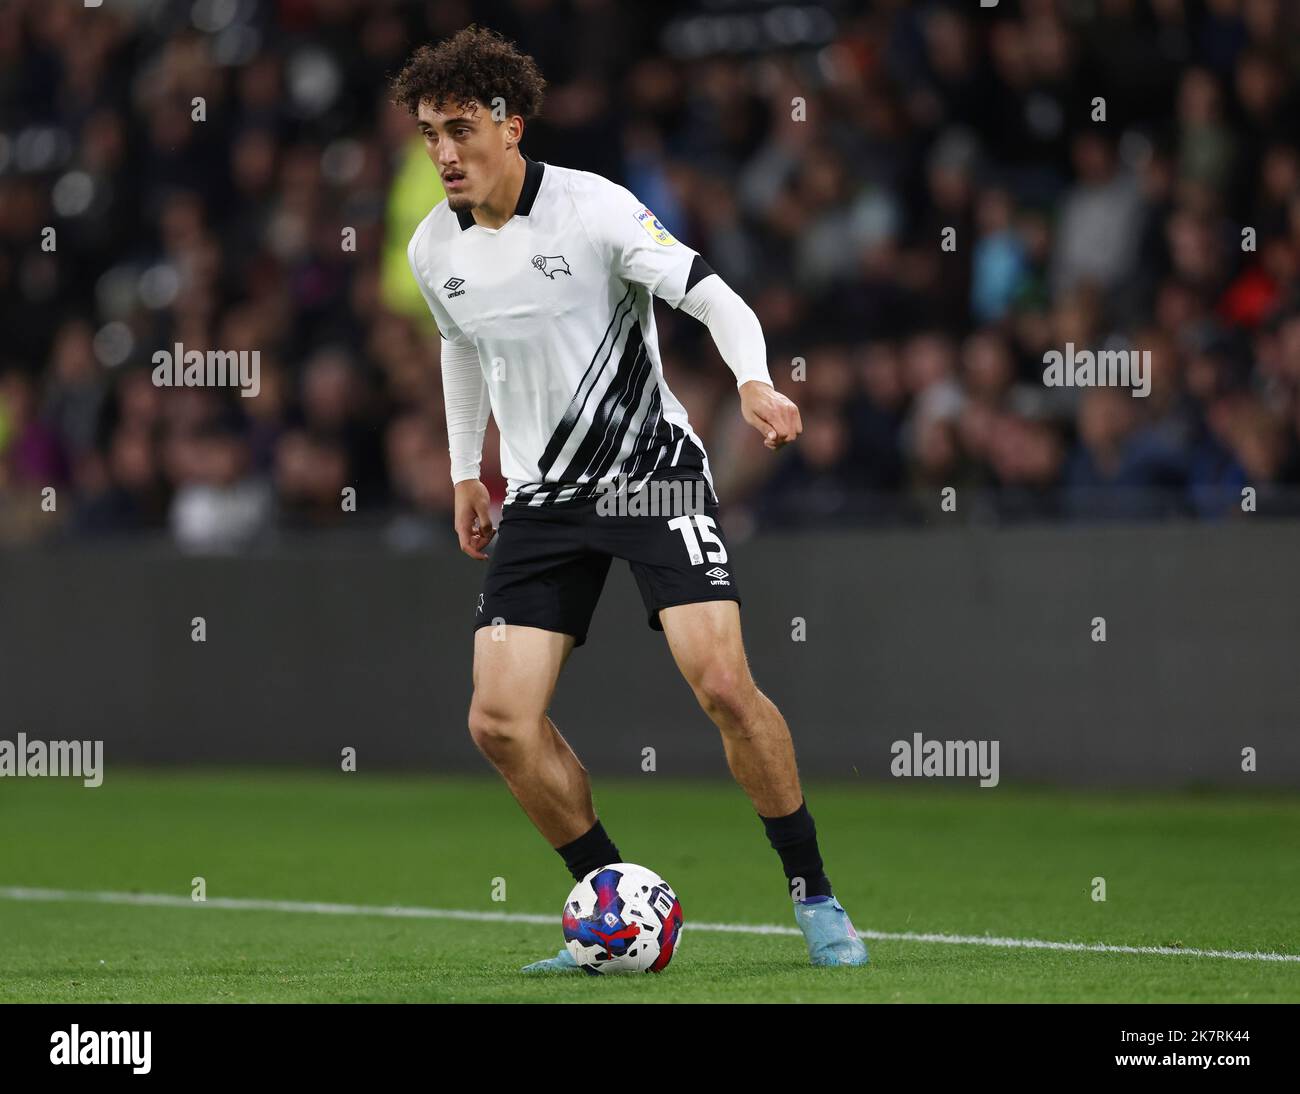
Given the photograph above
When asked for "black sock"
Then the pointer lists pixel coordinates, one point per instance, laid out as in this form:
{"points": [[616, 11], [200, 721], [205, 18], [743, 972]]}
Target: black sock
{"points": [[588, 852], [794, 838]]}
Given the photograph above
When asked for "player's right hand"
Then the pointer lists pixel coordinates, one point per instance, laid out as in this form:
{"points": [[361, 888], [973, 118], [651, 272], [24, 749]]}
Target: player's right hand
{"points": [[473, 517]]}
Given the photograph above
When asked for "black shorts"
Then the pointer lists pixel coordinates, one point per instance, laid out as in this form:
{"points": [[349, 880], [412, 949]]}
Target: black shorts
{"points": [[547, 565]]}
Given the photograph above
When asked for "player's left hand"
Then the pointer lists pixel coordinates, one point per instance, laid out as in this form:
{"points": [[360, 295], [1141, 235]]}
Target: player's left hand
{"points": [[770, 412]]}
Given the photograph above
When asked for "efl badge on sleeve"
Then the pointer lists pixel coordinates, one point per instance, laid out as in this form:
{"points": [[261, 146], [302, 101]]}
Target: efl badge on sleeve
{"points": [[656, 231]]}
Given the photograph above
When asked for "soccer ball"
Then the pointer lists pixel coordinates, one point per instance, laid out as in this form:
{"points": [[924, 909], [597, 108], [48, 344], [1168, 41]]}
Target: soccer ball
{"points": [[622, 918]]}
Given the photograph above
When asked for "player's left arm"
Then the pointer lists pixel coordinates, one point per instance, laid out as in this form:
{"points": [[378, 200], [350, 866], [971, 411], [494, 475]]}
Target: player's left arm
{"points": [[641, 250], [738, 335]]}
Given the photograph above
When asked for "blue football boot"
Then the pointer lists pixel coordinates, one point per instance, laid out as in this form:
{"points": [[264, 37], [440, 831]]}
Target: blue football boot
{"points": [[561, 962], [830, 936]]}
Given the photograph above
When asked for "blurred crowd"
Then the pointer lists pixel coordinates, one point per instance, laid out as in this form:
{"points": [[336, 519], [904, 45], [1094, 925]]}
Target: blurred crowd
{"points": [[1120, 174]]}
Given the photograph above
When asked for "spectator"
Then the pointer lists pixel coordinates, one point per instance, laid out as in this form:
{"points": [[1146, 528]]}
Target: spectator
{"points": [[919, 207]]}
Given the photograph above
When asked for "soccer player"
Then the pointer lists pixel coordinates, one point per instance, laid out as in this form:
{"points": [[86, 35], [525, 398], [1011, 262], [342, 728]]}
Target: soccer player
{"points": [[540, 279]]}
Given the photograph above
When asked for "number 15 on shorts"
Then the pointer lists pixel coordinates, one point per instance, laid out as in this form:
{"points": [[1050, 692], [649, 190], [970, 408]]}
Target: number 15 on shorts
{"points": [[693, 528]]}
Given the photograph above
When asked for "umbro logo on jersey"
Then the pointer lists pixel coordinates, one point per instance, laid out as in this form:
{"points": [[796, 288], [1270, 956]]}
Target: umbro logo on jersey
{"points": [[719, 575], [453, 284], [550, 265]]}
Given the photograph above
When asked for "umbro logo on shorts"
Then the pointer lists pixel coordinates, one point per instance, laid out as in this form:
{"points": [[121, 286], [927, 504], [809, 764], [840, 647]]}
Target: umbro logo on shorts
{"points": [[454, 285], [480, 604], [719, 575]]}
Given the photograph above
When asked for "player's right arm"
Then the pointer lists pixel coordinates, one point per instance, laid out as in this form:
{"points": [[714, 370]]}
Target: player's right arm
{"points": [[465, 397], [467, 405]]}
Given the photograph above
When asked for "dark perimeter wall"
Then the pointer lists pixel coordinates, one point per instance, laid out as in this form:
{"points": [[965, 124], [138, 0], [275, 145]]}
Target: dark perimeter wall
{"points": [[971, 634]]}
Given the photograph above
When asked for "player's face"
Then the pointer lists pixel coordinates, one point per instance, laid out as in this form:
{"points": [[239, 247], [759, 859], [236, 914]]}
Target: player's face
{"points": [[468, 147]]}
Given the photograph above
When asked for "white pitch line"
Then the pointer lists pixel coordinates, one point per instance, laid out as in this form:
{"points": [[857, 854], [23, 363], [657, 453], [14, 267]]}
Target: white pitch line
{"points": [[167, 900]]}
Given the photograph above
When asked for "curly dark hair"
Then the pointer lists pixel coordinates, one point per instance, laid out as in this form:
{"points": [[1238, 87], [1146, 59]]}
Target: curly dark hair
{"points": [[474, 64]]}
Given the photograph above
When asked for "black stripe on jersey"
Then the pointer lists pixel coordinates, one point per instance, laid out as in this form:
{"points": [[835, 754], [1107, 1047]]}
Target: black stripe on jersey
{"points": [[642, 450], [612, 408], [652, 459], [624, 415], [663, 441], [651, 454], [691, 456], [573, 412], [663, 455], [699, 271]]}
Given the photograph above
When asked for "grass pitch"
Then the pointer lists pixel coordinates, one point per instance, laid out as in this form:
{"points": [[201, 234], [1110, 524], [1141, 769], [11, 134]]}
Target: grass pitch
{"points": [[1210, 872]]}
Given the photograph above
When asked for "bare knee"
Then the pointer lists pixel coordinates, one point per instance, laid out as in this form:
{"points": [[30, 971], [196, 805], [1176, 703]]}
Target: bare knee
{"points": [[726, 693], [495, 727]]}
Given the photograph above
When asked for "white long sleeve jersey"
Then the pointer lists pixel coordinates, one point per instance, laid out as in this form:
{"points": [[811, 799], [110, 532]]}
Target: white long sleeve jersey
{"points": [[557, 306]]}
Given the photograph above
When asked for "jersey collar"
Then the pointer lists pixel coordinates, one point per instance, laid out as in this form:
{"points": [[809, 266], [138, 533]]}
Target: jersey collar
{"points": [[532, 183]]}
